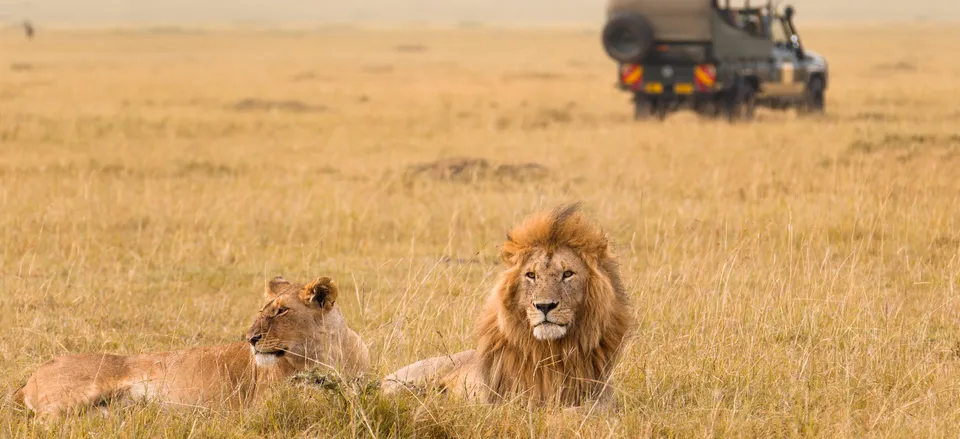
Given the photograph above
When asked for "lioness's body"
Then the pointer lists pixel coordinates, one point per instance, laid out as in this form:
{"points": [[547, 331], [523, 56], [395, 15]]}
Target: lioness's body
{"points": [[228, 376], [552, 328], [195, 377]]}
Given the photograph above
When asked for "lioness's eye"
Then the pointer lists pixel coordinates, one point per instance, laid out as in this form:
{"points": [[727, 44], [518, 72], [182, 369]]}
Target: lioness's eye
{"points": [[531, 275], [282, 311], [567, 274]]}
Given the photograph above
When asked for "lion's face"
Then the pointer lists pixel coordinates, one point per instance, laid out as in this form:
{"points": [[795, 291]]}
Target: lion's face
{"points": [[292, 321], [550, 289]]}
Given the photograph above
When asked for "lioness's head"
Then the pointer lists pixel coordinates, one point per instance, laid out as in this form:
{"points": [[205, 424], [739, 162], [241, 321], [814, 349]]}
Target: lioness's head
{"points": [[292, 322], [559, 270]]}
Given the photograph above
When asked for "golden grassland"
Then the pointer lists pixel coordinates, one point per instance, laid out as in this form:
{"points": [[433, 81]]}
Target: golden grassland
{"points": [[793, 277]]}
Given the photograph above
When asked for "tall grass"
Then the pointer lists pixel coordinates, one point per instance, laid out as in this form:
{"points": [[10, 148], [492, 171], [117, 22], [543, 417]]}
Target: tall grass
{"points": [[793, 277]]}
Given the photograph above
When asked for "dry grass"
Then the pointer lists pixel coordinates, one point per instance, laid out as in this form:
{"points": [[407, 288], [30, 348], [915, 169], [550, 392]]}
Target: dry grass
{"points": [[791, 278]]}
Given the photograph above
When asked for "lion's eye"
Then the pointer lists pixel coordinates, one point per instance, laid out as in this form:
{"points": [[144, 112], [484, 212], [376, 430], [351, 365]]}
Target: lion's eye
{"points": [[531, 275], [567, 274], [282, 311]]}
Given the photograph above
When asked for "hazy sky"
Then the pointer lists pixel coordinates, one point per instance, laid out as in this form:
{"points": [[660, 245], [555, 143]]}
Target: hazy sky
{"points": [[266, 12]]}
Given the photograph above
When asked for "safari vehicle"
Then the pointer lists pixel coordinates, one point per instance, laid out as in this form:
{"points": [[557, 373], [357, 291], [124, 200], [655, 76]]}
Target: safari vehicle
{"points": [[716, 60]]}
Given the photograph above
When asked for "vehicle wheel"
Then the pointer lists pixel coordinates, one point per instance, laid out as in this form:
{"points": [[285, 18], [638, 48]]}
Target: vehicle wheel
{"points": [[709, 110], [627, 37], [661, 109], [741, 101], [643, 108], [814, 96], [749, 103]]}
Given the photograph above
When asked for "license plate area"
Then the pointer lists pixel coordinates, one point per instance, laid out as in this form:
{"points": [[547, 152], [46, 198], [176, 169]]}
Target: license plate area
{"points": [[653, 88]]}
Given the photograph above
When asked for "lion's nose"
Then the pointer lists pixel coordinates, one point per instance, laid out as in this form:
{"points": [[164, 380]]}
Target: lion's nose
{"points": [[546, 307], [254, 339]]}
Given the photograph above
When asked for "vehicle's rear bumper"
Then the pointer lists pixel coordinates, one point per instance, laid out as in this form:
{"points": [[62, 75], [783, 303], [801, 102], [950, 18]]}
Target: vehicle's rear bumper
{"points": [[677, 101], [667, 80]]}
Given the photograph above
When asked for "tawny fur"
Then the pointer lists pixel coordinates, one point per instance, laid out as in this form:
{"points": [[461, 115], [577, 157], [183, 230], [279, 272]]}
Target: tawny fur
{"points": [[509, 361], [301, 321]]}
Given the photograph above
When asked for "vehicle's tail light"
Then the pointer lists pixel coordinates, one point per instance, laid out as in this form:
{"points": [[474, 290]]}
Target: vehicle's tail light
{"points": [[632, 76], [705, 77]]}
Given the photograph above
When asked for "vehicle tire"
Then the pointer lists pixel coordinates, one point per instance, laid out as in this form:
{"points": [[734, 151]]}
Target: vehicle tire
{"points": [[741, 101], [814, 99], [708, 111], [627, 37], [661, 108], [643, 108], [646, 108], [749, 103]]}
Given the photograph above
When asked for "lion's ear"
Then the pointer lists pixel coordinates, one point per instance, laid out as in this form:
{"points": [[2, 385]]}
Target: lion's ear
{"points": [[321, 293], [508, 257], [274, 287], [508, 252]]}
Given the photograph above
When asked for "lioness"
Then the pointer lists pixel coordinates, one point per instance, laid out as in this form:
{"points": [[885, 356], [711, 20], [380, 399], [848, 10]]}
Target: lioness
{"points": [[299, 326], [552, 328]]}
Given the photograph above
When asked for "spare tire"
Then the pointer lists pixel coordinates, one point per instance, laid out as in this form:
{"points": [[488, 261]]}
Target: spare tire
{"points": [[627, 37]]}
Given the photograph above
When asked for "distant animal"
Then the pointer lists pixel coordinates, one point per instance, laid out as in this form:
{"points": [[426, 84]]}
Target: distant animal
{"points": [[552, 329], [29, 30], [299, 326]]}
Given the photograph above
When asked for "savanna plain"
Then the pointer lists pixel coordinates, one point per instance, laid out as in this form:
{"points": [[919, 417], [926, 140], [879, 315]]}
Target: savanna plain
{"points": [[794, 277]]}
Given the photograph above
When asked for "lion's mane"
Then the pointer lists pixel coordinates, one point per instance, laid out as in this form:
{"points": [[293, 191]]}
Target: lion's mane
{"points": [[578, 366]]}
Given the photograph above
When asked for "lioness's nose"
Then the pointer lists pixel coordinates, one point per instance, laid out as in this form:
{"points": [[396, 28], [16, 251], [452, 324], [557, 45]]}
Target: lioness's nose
{"points": [[546, 307], [254, 339]]}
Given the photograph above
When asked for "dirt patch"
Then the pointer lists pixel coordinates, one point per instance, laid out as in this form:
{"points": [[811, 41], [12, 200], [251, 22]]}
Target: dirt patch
{"points": [[531, 76], [540, 119], [290, 106], [410, 48], [21, 67], [188, 169], [899, 66], [310, 76], [906, 147], [204, 169], [474, 170], [91, 167], [874, 116], [904, 141]]}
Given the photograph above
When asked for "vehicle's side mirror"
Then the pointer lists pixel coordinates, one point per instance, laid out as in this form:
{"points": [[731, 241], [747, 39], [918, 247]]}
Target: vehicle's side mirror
{"points": [[795, 42]]}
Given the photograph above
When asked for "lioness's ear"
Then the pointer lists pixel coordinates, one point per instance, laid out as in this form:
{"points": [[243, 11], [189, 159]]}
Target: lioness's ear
{"points": [[273, 287], [321, 293]]}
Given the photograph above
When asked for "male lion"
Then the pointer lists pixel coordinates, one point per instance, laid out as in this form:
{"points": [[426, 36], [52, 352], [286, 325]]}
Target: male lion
{"points": [[552, 328], [299, 326]]}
